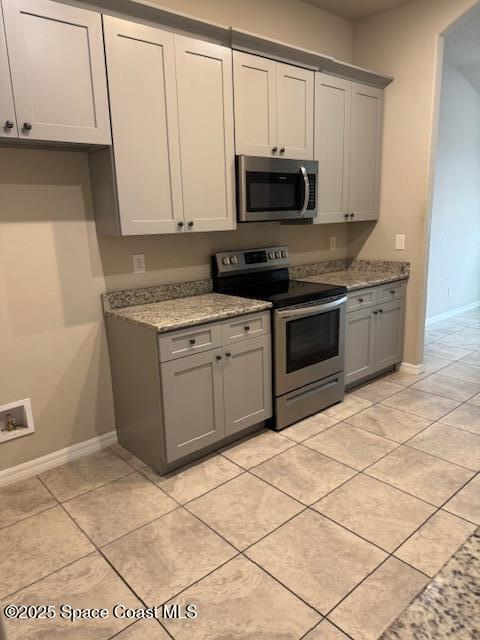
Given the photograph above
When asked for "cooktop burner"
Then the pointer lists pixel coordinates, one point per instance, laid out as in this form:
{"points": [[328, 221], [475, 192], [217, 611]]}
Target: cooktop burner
{"points": [[262, 274]]}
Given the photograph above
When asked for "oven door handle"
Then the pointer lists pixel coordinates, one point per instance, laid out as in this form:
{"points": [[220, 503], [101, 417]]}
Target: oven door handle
{"points": [[308, 311], [306, 191]]}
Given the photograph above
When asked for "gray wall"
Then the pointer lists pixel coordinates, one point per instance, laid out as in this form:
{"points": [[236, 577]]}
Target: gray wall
{"points": [[455, 226]]}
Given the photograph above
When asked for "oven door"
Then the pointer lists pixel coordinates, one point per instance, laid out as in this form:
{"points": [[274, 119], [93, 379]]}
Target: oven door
{"points": [[309, 343], [276, 189]]}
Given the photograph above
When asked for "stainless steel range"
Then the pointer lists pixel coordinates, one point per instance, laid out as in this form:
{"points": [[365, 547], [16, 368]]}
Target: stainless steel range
{"points": [[308, 322]]}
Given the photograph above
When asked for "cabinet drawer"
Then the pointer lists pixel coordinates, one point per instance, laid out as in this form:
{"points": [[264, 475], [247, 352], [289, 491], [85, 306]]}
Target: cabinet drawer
{"points": [[189, 341], [362, 298], [244, 327], [392, 291]]}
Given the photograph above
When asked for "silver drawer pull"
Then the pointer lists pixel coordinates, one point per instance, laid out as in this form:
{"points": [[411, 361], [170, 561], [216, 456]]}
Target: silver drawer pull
{"points": [[360, 299], [192, 341]]}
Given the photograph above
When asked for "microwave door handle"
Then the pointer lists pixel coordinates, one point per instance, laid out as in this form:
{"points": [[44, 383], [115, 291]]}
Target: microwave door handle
{"points": [[306, 191]]}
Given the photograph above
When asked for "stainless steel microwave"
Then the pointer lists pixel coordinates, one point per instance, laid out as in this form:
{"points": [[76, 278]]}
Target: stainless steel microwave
{"points": [[276, 189]]}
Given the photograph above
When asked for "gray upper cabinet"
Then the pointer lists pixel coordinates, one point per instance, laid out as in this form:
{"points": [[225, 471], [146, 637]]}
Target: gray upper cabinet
{"points": [[365, 151], [360, 345], [57, 67], [172, 166], [193, 410], [389, 334], [205, 117], [255, 86], [348, 142], [8, 121], [332, 142], [247, 383], [273, 108], [295, 98], [147, 168]]}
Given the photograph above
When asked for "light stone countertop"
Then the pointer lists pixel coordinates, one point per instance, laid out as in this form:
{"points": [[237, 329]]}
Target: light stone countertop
{"points": [[179, 313], [357, 279], [449, 607]]}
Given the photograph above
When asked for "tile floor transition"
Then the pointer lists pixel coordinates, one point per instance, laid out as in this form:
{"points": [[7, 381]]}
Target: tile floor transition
{"points": [[326, 530]]}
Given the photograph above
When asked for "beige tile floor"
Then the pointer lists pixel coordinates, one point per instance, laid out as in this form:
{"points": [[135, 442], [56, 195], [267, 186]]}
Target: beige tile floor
{"points": [[295, 535]]}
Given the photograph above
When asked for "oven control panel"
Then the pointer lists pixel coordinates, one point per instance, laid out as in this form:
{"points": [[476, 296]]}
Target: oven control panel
{"points": [[251, 260]]}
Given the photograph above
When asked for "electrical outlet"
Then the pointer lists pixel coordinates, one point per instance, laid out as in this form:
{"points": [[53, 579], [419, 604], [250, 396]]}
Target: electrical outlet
{"points": [[138, 261], [450, 291], [400, 242], [333, 243]]}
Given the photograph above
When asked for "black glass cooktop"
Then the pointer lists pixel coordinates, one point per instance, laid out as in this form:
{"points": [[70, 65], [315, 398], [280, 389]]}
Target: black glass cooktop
{"points": [[280, 290]]}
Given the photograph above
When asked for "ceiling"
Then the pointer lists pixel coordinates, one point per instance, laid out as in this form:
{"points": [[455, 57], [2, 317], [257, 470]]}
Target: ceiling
{"points": [[354, 9]]}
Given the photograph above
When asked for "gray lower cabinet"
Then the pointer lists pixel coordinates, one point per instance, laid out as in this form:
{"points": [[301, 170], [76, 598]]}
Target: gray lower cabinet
{"points": [[193, 410], [389, 334], [360, 345], [214, 394], [374, 336], [247, 381], [181, 394]]}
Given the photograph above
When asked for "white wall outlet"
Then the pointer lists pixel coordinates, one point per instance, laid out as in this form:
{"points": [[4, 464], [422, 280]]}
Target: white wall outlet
{"points": [[138, 261], [450, 291], [400, 242], [333, 243]]}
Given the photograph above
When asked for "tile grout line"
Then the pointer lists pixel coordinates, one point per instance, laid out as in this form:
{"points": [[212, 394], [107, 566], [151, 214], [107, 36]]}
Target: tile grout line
{"points": [[100, 552], [249, 470], [33, 515]]}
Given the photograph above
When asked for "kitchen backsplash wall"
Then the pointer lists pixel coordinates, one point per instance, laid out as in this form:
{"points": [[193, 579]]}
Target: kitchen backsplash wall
{"points": [[185, 257]]}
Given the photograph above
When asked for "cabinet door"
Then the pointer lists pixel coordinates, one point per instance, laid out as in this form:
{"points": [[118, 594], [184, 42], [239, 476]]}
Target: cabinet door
{"points": [[360, 344], [295, 111], [205, 114], [247, 372], [365, 151], [192, 391], [141, 77], [255, 85], [8, 123], [58, 71], [389, 334], [332, 141]]}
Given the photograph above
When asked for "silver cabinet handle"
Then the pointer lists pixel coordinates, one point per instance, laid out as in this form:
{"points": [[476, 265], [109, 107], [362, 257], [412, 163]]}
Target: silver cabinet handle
{"points": [[282, 150], [345, 215], [352, 215], [306, 196], [218, 357], [180, 224], [9, 124], [274, 149], [27, 126]]}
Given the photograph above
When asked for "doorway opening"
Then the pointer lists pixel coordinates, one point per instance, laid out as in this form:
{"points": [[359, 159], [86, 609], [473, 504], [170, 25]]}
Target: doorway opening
{"points": [[452, 327]]}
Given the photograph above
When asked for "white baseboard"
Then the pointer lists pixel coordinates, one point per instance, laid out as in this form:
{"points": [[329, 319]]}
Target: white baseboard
{"points": [[451, 313], [416, 369], [34, 467]]}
